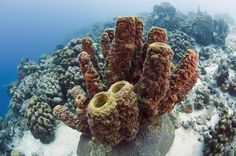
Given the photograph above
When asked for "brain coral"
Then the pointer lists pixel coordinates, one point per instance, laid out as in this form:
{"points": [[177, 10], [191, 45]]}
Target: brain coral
{"points": [[41, 121]]}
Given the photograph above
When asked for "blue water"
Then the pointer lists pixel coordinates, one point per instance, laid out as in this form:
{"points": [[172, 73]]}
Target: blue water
{"points": [[32, 28]]}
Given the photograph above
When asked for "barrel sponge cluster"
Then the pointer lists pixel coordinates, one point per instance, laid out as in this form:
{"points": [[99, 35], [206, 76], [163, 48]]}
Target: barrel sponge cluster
{"points": [[41, 120], [138, 84], [105, 116], [113, 116]]}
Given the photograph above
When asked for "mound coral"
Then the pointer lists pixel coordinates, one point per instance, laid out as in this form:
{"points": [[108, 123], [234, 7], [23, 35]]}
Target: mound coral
{"points": [[138, 86], [219, 140], [199, 25], [180, 42], [41, 121]]}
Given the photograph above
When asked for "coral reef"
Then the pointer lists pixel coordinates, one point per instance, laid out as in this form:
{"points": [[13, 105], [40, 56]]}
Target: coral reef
{"points": [[155, 34], [221, 29], [16, 153], [103, 119], [180, 42], [134, 95], [10, 126], [79, 121], [87, 45], [26, 67], [223, 134], [61, 79], [200, 25], [224, 16], [126, 99], [40, 120], [58, 80], [204, 53], [207, 30], [203, 28], [4, 139], [232, 88], [223, 79], [55, 76], [164, 15]]}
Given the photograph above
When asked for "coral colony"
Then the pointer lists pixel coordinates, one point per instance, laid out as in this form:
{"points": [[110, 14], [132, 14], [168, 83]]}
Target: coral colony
{"points": [[138, 84], [119, 92]]}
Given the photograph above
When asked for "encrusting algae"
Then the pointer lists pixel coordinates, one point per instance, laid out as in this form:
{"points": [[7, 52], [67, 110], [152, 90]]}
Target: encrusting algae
{"points": [[138, 85]]}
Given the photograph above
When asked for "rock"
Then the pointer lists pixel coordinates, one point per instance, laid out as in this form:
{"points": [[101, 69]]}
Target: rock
{"points": [[57, 100], [186, 125], [222, 76], [229, 153], [200, 121], [188, 109], [16, 153], [150, 141], [232, 88], [198, 106]]}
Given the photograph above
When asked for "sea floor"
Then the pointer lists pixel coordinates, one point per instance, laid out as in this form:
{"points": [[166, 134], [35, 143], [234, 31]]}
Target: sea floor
{"points": [[189, 132]]}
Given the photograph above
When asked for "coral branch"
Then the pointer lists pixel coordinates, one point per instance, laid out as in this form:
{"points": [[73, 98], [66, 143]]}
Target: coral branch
{"points": [[91, 76]]}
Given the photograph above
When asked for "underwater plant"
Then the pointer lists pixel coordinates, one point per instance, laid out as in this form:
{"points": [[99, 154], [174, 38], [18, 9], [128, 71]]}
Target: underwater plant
{"points": [[138, 84]]}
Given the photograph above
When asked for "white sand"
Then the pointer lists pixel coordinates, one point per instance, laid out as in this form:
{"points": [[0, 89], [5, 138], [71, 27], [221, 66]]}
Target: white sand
{"points": [[65, 143]]}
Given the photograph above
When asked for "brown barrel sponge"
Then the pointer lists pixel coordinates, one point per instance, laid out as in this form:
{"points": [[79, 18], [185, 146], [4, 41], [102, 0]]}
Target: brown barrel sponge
{"points": [[154, 83], [103, 119], [126, 99]]}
